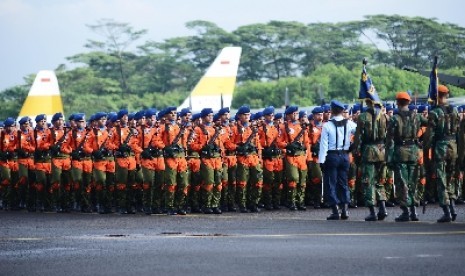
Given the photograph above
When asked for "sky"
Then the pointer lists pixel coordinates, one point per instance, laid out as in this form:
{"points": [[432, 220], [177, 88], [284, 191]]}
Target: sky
{"points": [[40, 34]]}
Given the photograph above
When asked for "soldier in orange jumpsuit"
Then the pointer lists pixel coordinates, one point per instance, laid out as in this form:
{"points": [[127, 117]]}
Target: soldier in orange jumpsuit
{"points": [[314, 171], [208, 144], [60, 189], [228, 178], [9, 165], [272, 161], [245, 141], [295, 140], [193, 162], [81, 164], [43, 163], [97, 145], [149, 160], [173, 141], [126, 145], [26, 164]]}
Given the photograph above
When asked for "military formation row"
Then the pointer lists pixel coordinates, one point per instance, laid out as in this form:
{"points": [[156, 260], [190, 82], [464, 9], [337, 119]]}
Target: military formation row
{"points": [[176, 162]]}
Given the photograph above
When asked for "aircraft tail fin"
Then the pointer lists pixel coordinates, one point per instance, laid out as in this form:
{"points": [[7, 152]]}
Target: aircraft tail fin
{"points": [[215, 89], [43, 97]]}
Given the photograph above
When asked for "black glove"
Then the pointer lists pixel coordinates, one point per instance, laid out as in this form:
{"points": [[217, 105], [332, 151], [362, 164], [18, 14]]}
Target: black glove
{"points": [[98, 154], [146, 154], [124, 148], [76, 154], [55, 148]]}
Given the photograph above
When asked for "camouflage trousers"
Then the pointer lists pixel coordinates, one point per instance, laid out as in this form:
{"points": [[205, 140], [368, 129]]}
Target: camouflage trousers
{"points": [[444, 172], [406, 181], [373, 181]]}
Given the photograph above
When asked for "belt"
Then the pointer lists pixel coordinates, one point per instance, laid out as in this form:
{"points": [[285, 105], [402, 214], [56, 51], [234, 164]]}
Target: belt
{"points": [[407, 142], [338, 151]]}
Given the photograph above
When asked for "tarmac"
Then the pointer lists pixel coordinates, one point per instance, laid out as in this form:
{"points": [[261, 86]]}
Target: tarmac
{"points": [[268, 243]]}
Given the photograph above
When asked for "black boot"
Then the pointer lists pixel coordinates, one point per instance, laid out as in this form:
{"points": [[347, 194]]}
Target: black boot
{"points": [[345, 211], [335, 214], [413, 213], [372, 216], [404, 216], [382, 213], [446, 217], [453, 213]]}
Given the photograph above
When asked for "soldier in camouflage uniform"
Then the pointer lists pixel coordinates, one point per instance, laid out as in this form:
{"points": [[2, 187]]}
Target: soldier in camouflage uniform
{"points": [[369, 141], [441, 137], [402, 155]]}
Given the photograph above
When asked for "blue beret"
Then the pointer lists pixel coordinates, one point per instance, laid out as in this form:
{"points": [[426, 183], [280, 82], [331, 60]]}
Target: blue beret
{"points": [[41, 117], [337, 104], [268, 110], [326, 107], [422, 108], [99, 115], [346, 107], [170, 109], [310, 117], [195, 116], [161, 113], [139, 115], [206, 111], [223, 111], [412, 107], [216, 117], [150, 112], [243, 109], [57, 117], [79, 117], [9, 122], [302, 114], [291, 109], [356, 108], [71, 117], [317, 109], [389, 107], [24, 120], [2, 124], [131, 116], [184, 112], [113, 117], [121, 113], [278, 116], [236, 117], [92, 118], [256, 116]]}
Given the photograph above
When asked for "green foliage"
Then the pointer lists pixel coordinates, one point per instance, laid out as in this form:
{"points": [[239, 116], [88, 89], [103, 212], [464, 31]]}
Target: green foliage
{"points": [[311, 61]]}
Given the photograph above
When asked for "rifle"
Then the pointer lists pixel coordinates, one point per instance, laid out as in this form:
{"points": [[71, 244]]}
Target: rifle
{"points": [[246, 148], [173, 149], [101, 151], [295, 145], [56, 148], [124, 149], [271, 150], [211, 148], [77, 154]]}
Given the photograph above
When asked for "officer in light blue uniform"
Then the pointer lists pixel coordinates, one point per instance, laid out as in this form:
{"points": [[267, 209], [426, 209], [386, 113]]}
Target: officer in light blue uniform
{"points": [[334, 159]]}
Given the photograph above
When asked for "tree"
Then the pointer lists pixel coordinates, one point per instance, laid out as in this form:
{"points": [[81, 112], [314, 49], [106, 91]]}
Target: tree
{"points": [[117, 38]]}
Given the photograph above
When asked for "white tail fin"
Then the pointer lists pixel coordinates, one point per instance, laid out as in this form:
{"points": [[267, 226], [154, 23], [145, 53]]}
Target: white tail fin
{"points": [[215, 89], [44, 96]]}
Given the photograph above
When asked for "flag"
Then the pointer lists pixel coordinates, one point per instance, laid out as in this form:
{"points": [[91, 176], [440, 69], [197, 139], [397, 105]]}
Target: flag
{"points": [[433, 82], [367, 89]]}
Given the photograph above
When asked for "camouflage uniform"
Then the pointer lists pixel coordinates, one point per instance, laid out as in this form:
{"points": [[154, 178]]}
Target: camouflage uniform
{"points": [[441, 135], [369, 142], [403, 152]]}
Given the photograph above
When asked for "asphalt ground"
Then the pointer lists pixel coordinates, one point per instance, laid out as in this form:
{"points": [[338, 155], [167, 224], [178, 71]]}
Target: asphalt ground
{"points": [[268, 243]]}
